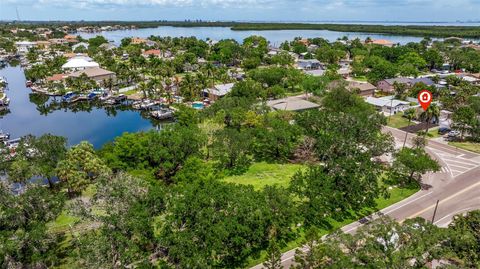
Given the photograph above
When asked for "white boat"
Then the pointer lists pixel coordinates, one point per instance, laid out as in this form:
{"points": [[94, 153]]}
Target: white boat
{"points": [[162, 114], [4, 136]]}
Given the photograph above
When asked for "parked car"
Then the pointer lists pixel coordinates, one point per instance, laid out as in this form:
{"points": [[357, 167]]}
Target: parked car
{"points": [[453, 133], [443, 130]]}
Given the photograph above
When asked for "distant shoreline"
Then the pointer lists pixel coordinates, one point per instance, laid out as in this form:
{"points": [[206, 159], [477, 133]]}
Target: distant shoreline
{"points": [[403, 30]]}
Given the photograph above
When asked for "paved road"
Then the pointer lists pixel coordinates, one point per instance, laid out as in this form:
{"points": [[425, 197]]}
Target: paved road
{"points": [[456, 187]]}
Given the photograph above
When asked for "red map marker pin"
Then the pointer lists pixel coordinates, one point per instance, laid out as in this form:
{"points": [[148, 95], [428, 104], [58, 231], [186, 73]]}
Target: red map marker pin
{"points": [[425, 98]]}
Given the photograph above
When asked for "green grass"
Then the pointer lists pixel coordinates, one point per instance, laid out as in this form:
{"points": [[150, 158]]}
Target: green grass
{"points": [[397, 121], [470, 146], [432, 133], [396, 195], [360, 78], [262, 174]]}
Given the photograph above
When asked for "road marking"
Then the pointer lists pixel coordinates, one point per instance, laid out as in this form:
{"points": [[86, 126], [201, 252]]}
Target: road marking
{"points": [[412, 201], [456, 213], [445, 200]]}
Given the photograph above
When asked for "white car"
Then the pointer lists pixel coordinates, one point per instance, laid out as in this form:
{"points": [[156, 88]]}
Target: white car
{"points": [[453, 133]]}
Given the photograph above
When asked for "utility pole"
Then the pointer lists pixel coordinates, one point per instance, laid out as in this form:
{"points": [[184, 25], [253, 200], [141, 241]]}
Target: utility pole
{"points": [[18, 16], [435, 211]]}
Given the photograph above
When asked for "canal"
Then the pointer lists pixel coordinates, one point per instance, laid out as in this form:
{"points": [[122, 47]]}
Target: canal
{"points": [[35, 114]]}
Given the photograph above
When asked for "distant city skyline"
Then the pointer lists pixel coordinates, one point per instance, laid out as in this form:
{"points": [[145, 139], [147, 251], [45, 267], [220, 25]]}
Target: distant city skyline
{"points": [[244, 10]]}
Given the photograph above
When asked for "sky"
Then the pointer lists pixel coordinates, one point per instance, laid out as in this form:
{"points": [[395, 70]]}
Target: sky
{"points": [[243, 10]]}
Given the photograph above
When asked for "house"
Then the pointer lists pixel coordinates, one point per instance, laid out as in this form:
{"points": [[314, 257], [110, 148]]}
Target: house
{"points": [[218, 91], [304, 41], [427, 81], [78, 45], [364, 89], [311, 64], [382, 42], [386, 85], [79, 63], [43, 44], [107, 46], [388, 105], [98, 74], [138, 40], [155, 53], [56, 77], [24, 46], [315, 73], [58, 41], [71, 38], [293, 103]]}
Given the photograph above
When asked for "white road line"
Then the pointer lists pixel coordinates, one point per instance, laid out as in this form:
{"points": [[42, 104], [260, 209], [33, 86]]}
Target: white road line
{"points": [[412, 201], [455, 213], [462, 162], [461, 167]]}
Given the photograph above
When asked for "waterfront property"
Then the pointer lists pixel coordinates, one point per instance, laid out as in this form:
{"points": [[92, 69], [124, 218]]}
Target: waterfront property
{"points": [[97, 74], [218, 91]]}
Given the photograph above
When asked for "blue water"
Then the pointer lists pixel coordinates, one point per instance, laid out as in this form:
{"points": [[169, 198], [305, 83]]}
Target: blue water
{"points": [[276, 37], [95, 126]]}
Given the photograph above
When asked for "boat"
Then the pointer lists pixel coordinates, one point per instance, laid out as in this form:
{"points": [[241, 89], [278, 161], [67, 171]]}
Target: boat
{"points": [[4, 102], [92, 96], [3, 80], [28, 84], [4, 136], [68, 96], [162, 114]]}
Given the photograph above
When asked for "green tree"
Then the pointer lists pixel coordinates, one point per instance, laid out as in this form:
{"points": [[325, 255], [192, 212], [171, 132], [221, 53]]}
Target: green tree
{"points": [[274, 256], [80, 167], [413, 163], [463, 119], [26, 240]]}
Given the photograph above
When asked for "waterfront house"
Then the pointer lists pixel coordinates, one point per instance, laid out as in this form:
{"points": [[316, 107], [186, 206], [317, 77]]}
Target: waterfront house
{"points": [[138, 40], [382, 42], [24, 46], [108, 46], [56, 77], [218, 91], [79, 63], [71, 38], [364, 89], [78, 45], [97, 74]]}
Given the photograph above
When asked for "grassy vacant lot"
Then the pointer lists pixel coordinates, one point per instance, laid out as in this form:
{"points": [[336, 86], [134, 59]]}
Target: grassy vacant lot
{"points": [[470, 146], [397, 121], [262, 174]]}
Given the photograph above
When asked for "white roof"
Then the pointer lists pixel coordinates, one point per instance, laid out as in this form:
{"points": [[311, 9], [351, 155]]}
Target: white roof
{"points": [[221, 89], [381, 102], [79, 63], [25, 43]]}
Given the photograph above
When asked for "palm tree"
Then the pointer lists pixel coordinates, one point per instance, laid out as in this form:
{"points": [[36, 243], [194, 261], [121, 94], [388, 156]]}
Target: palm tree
{"points": [[433, 112], [410, 115]]}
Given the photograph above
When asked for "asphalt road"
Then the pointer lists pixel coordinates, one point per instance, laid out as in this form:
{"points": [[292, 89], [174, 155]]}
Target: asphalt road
{"points": [[456, 188]]}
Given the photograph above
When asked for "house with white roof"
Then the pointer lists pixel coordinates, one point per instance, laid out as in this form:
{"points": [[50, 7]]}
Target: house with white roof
{"points": [[218, 91], [79, 63], [388, 105], [24, 46], [81, 44]]}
